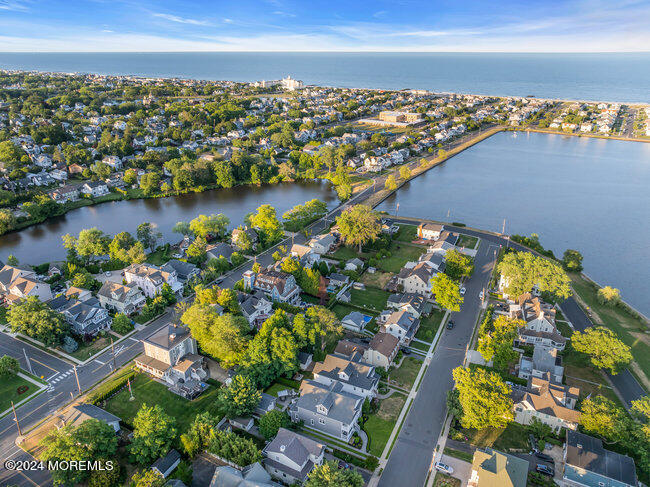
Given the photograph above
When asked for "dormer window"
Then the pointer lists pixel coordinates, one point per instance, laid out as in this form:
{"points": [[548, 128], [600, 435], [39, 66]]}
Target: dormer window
{"points": [[343, 376], [321, 409]]}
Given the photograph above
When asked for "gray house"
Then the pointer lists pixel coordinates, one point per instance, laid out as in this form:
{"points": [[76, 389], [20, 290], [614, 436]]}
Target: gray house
{"points": [[290, 456], [354, 321], [354, 375], [76, 415], [252, 475], [184, 270], [85, 317], [328, 409]]}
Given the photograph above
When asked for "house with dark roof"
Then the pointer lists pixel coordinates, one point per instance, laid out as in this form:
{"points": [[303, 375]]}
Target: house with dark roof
{"points": [[252, 475], [402, 325], [151, 279], [354, 321], [121, 298], [354, 375], [290, 457], [545, 364], [255, 307], [184, 270], [540, 326], [79, 413], [220, 249], [95, 188], [588, 464], [322, 244], [447, 241], [17, 284], [417, 279], [410, 302], [166, 465], [86, 316], [491, 468]]}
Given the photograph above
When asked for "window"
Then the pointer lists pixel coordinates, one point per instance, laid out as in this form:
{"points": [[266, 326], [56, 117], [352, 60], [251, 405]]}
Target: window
{"points": [[321, 421], [312, 421]]}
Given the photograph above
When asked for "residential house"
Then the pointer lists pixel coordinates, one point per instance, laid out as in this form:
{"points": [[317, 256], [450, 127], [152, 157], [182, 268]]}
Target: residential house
{"points": [[545, 364], [151, 279], [251, 233], [402, 325], [279, 286], [95, 188], [354, 375], [445, 242], [290, 456], [120, 298], [430, 231], [552, 404], [170, 354], [323, 244], [382, 350], [184, 270], [17, 283], [435, 260], [354, 265], [85, 315], [167, 464], [266, 404], [328, 409], [255, 307], [491, 468], [417, 280], [540, 322], [64, 194], [412, 303], [588, 464], [338, 280], [220, 249], [114, 162], [252, 475], [354, 321], [79, 413], [305, 255]]}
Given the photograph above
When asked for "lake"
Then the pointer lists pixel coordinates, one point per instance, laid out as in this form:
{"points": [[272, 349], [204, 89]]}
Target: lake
{"points": [[622, 77], [581, 193], [42, 243]]}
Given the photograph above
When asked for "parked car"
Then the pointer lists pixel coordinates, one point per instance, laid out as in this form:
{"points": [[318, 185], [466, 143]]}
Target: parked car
{"points": [[462, 291], [450, 324], [444, 468], [545, 457], [545, 470], [108, 273], [406, 350], [481, 295], [533, 443]]}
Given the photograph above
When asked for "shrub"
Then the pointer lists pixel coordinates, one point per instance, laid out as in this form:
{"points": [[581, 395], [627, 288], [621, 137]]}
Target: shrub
{"points": [[70, 345]]}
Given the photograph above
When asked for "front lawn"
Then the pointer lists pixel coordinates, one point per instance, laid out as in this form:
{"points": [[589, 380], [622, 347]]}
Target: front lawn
{"points": [[429, 325], [380, 425], [147, 390], [160, 256], [9, 390], [407, 233], [514, 436], [371, 298], [401, 253], [87, 350], [444, 480], [467, 241], [405, 375]]}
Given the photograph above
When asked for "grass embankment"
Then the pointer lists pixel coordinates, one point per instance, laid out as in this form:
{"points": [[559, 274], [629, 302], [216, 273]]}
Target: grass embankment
{"points": [[380, 425], [632, 329], [9, 387]]}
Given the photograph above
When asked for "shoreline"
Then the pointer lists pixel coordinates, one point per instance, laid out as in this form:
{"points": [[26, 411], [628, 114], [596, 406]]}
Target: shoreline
{"points": [[577, 134]]}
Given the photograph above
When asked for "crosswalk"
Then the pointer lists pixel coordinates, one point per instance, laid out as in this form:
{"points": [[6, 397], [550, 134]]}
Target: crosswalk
{"points": [[61, 377]]}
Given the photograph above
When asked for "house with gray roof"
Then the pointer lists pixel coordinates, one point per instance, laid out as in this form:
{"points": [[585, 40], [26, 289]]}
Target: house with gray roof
{"points": [[355, 321], [322, 244], [328, 409], [545, 364], [290, 457], [255, 307], [220, 249], [79, 413], [184, 270], [354, 375], [252, 475], [86, 317], [402, 325], [409, 302], [121, 298], [166, 465], [588, 464]]}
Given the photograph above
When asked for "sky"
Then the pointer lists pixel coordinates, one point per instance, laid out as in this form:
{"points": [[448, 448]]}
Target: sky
{"points": [[318, 25]]}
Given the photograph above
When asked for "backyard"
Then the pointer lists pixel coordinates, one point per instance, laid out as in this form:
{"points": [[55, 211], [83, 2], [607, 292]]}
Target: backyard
{"points": [[405, 375], [407, 233], [429, 325], [401, 253], [371, 298], [9, 390], [380, 425], [148, 391], [467, 241], [376, 279]]}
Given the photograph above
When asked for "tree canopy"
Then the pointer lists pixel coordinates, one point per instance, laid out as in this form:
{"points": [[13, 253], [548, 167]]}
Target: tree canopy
{"points": [[484, 398], [272, 421], [330, 475], [266, 222], [605, 349], [497, 345], [35, 319], [153, 434], [523, 270], [446, 292], [240, 397], [359, 225], [458, 265]]}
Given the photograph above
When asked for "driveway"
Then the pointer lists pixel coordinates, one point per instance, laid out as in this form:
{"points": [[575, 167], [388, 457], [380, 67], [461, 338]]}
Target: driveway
{"points": [[462, 469]]}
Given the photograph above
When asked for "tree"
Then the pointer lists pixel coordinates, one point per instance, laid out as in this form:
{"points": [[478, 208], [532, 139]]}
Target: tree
{"points": [[272, 421], [130, 177], [641, 411], [572, 260], [7, 220], [404, 172], [484, 398], [101, 170], [266, 222], [147, 478], [147, 234], [182, 227], [213, 225], [240, 398], [359, 225], [35, 319], [121, 324], [90, 242], [12, 260], [126, 249], [197, 250], [8, 366], [602, 417], [605, 349], [106, 478], [391, 183], [228, 299], [198, 436], [453, 403], [497, 345], [223, 337], [153, 434], [150, 183], [523, 270], [446, 292], [458, 265], [330, 475], [317, 322], [609, 296]]}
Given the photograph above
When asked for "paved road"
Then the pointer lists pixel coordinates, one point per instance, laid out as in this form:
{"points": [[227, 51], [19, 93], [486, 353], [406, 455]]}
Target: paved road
{"points": [[411, 456]]}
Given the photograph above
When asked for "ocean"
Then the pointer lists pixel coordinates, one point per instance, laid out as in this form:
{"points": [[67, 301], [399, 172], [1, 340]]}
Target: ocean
{"points": [[618, 77]]}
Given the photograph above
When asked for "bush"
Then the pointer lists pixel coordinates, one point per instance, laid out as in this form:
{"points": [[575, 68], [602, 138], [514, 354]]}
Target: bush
{"points": [[609, 296], [70, 345], [106, 390], [122, 324], [234, 448]]}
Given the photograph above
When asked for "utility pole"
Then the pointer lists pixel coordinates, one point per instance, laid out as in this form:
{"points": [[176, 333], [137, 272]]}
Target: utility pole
{"points": [[29, 364], [77, 377], [16, 418], [503, 229], [113, 352]]}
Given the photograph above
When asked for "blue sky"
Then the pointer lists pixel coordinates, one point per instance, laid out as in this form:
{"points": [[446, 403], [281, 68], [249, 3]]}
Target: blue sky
{"points": [[316, 25]]}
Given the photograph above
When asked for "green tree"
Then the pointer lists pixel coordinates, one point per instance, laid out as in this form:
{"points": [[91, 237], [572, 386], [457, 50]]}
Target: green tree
{"points": [[147, 478], [330, 475], [12, 260], [106, 478], [149, 235], [223, 337], [359, 225], [8, 366], [35, 319], [602, 417], [404, 172], [153, 434], [130, 177], [272, 421], [126, 249], [317, 322], [101, 170], [240, 398], [121, 324], [182, 227], [150, 183], [605, 349], [572, 260], [213, 225], [266, 222], [7, 220], [524, 270], [609, 296], [197, 438], [641, 411], [90, 242], [497, 344], [484, 398], [458, 265], [446, 292], [228, 299], [391, 183], [197, 250]]}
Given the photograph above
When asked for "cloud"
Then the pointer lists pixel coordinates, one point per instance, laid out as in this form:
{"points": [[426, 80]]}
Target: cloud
{"points": [[379, 14], [283, 14], [180, 20], [14, 5]]}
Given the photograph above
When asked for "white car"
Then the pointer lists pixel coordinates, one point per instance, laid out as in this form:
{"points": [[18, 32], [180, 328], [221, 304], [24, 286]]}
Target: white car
{"points": [[444, 468], [462, 291], [108, 273], [482, 295]]}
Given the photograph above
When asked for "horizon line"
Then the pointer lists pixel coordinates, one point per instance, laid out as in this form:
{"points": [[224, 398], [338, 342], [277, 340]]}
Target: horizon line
{"points": [[325, 51]]}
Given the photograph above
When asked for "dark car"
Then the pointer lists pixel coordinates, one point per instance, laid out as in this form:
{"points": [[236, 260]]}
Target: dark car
{"points": [[533, 443], [406, 351], [450, 324], [545, 457], [343, 465], [545, 470]]}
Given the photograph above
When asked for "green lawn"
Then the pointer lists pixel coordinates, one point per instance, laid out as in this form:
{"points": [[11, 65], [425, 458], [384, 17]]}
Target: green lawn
{"points": [[380, 425], [420, 346], [429, 325], [9, 391], [370, 297], [273, 389], [347, 253], [87, 350], [513, 436], [461, 455], [467, 241], [160, 256], [579, 372], [401, 253], [341, 310], [405, 375], [146, 390], [407, 233], [632, 330]]}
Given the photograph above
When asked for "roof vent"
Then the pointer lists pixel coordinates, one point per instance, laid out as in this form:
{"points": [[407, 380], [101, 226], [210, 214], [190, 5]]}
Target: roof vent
{"points": [[172, 336], [283, 447]]}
